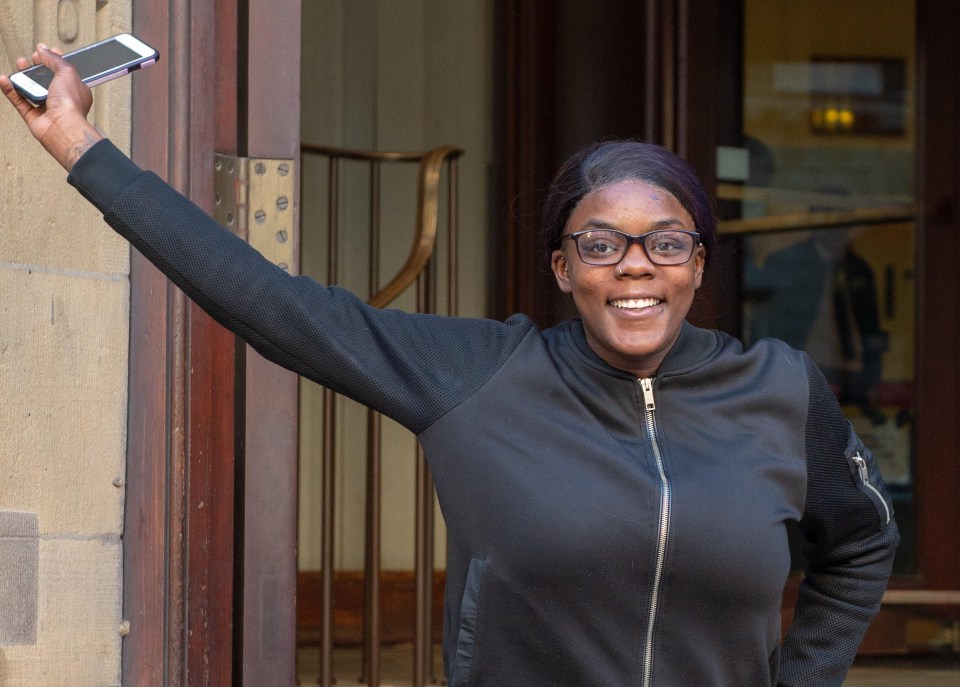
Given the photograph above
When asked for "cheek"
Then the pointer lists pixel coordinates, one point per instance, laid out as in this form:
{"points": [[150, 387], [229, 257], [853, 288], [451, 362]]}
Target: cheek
{"points": [[584, 281]]}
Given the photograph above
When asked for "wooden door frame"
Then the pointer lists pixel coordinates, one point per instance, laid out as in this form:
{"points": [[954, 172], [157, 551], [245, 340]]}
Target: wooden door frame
{"points": [[937, 428], [268, 115], [210, 513], [524, 133]]}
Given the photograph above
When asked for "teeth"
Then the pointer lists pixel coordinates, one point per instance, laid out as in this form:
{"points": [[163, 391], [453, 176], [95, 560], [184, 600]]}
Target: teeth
{"points": [[636, 303]]}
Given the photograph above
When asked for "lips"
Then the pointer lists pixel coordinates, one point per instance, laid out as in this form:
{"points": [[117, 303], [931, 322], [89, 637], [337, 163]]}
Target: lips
{"points": [[635, 303]]}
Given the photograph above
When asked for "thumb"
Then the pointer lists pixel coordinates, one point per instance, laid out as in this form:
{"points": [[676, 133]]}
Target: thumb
{"points": [[66, 91], [52, 58]]}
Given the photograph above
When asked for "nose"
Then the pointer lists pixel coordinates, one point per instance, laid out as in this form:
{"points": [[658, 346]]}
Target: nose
{"points": [[635, 262]]}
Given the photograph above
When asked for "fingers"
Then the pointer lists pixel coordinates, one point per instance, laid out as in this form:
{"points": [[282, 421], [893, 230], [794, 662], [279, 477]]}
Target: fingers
{"points": [[61, 121], [51, 58], [18, 101], [38, 57], [44, 47]]}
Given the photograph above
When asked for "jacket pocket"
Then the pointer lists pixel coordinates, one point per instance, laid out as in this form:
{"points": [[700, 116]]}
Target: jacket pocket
{"points": [[469, 615], [866, 475]]}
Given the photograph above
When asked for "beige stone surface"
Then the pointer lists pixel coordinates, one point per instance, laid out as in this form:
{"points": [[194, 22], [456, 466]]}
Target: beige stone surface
{"points": [[64, 328], [45, 222], [63, 370], [78, 640], [51, 225]]}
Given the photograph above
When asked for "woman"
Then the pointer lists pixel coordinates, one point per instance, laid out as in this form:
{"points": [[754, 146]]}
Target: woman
{"points": [[615, 488]]}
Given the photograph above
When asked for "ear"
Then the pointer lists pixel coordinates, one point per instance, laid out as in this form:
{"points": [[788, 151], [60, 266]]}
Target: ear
{"points": [[561, 270], [699, 263]]}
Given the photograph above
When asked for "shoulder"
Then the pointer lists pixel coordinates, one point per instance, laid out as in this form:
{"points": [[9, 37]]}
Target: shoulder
{"points": [[763, 359]]}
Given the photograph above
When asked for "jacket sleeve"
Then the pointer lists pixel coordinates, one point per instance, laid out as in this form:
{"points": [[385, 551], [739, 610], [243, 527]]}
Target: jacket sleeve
{"points": [[410, 367], [850, 539]]}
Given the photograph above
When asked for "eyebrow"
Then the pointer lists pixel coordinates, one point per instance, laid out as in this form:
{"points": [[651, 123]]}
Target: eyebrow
{"points": [[659, 224]]}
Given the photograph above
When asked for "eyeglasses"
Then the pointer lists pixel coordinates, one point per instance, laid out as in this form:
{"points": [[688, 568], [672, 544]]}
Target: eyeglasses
{"points": [[608, 246]]}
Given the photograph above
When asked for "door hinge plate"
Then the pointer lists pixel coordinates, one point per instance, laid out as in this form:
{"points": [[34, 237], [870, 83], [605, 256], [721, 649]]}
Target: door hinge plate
{"points": [[254, 198]]}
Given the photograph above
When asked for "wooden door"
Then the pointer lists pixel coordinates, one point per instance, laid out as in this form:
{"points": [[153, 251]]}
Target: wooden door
{"points": [[210, 521], [909, 417], [689, 75]]}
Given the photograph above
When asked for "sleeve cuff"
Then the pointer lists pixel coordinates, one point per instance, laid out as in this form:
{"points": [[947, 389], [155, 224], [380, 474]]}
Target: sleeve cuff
{"points": [[102, 173]]}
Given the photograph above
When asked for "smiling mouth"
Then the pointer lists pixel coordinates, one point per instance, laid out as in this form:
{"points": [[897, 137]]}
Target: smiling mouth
{"points": [[635, 303]]}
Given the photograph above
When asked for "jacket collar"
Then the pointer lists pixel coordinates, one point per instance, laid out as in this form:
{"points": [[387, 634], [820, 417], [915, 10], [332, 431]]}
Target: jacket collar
{"points": [[693, 347]]}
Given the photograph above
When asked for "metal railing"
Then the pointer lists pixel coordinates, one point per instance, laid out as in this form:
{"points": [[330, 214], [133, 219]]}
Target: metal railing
{"points": [[419, 270]]}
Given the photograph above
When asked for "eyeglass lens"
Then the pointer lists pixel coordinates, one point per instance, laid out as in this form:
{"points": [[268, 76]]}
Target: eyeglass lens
{"points": [[607, 247]]}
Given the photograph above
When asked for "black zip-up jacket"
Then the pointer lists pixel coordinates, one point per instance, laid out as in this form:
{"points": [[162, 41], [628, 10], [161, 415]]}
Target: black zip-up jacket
{"points": [[603, 530]]}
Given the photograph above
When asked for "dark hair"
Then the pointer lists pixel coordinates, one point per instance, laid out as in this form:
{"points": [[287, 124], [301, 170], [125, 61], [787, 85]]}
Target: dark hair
{"points": [[603, 164]]}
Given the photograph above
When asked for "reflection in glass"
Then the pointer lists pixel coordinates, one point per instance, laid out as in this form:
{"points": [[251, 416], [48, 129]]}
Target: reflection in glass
{"points": [[845, 296], [815, 191]]}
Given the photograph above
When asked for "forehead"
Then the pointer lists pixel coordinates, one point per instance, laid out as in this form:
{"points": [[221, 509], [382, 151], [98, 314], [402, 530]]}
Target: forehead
{"points": [[630, 201]]}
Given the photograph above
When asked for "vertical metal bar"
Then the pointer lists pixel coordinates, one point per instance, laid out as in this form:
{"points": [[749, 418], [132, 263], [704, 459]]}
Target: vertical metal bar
{"points": [[423, 568], [453, 259], [453, 307], [428, 509], [430, 518], [372, 565], [329, 447], [422, 598], [427, 286], [326, 528], [371, 573]]}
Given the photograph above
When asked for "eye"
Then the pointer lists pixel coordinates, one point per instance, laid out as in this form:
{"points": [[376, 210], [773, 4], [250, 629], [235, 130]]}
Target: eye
{"points": [[668, 243], [600, 245]]}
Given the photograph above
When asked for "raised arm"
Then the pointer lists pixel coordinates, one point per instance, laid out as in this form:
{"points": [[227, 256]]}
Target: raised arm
{"points": [[411, 367]]}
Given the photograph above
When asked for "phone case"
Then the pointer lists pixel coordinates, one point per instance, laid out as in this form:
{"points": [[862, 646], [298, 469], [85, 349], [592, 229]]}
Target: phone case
{"points": [[95, 62]]}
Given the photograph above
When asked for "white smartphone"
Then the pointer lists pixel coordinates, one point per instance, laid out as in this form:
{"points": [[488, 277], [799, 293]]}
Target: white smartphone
{"points": [[96, 63]]}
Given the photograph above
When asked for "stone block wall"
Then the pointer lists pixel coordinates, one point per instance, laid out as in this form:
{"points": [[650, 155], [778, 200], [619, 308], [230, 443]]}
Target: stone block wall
{"points": [[64, 321]]}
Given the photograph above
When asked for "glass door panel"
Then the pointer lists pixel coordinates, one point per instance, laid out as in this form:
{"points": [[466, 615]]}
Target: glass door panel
{"points": [[815, 191]]}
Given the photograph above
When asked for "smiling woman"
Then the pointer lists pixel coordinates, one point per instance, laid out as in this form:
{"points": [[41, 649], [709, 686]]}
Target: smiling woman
{"points": [[632, 298], [632, 309], [616, 488]]}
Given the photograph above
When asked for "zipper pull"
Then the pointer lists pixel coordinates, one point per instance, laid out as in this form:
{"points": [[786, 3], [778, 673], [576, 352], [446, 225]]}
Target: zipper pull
{"points": [[861, 464], [647, 385]]}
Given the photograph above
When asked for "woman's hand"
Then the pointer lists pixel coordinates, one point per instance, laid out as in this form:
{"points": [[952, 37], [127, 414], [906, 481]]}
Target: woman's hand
{"points": [[60, 124]]}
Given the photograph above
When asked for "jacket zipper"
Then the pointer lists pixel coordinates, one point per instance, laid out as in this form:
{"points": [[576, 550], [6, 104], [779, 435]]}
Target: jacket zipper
{"points": [[861, 464], [649, 406]]}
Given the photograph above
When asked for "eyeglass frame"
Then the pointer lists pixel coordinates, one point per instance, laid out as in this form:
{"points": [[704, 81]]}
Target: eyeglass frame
{"points": [[632, 239]]}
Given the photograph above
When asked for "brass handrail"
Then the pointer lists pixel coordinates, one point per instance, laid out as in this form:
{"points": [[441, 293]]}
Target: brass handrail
{"points": [[418, 268], [818, 220], [922, 597], [428, 190], [801, 199]]}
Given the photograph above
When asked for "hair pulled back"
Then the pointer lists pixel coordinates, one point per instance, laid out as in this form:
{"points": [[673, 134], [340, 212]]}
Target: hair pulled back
{"points": [[611, 162]]}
